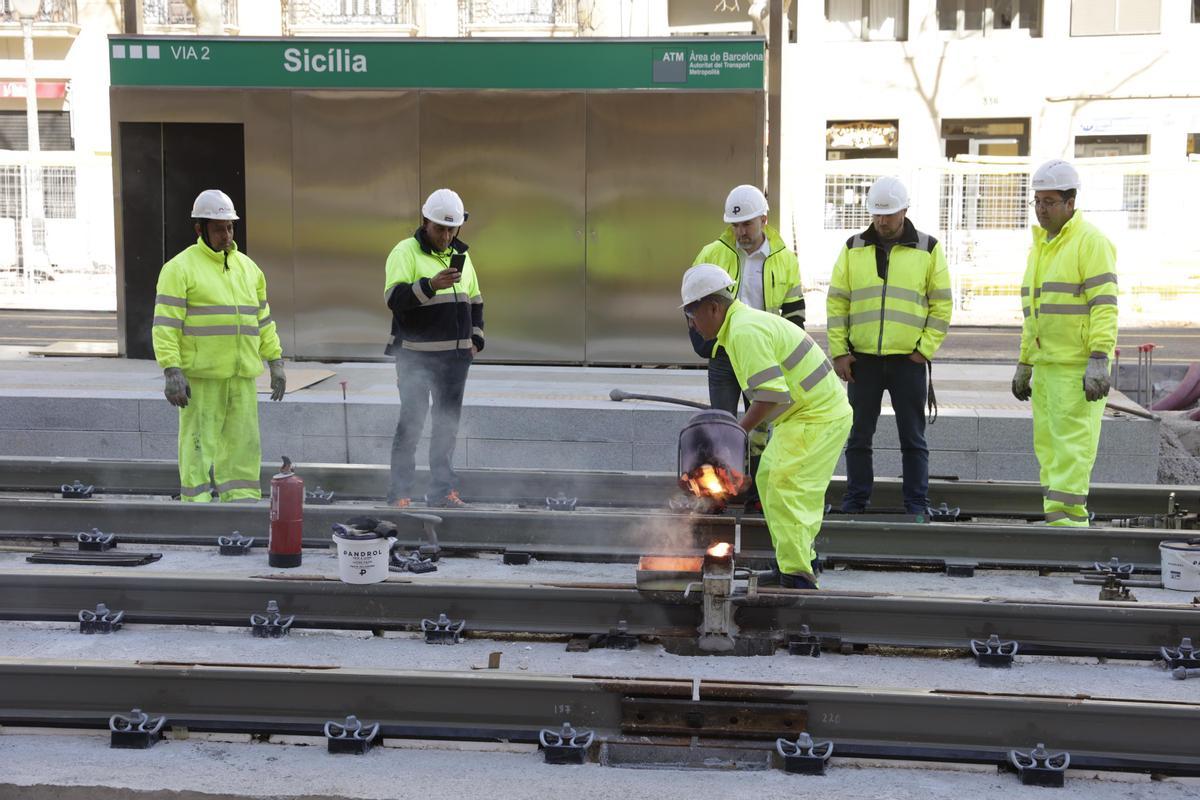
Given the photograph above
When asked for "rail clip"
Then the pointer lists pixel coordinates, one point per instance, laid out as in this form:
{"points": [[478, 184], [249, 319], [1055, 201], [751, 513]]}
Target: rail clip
{"points": [[272, 624], [96, 541], [561, 503], [101, 620], [76, 491], [804, 643], [994, 652], [136, 730], [804, 756], [352, 736], [1040, 767], [234, 544], [318, 497], [566, 745], [442, 630], [1185, 655]]}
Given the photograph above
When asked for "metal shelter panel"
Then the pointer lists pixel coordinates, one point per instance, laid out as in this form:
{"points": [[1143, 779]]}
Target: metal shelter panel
{"points": [[355, 190], [659, 167], [518, 160], [266, 117]]}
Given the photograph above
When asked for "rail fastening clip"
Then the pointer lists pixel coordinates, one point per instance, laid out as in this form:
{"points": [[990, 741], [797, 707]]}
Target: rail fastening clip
{"points": [[1185, 655], [76, 491], [101, 620], [318, 497], [565, 745], [1040, 767], [804, 643], [352, 736], [442, 630], [136, 730], [804, 756], [994, 652], [96, 541], [234, 544], [272, 624]]}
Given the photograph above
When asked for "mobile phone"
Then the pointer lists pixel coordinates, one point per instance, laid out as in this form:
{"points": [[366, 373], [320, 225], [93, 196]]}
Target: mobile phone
{"points": [[457, 261]]}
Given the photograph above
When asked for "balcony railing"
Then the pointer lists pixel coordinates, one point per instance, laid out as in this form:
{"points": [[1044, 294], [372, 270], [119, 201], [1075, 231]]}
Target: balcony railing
{"points": [[350, 13], [516, 13], [59, 11], [177, 12]]}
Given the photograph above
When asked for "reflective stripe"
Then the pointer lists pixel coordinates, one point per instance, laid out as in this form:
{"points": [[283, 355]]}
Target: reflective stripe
{"points": [[759, 378], [421, 296], [909, 295], [1100, 280], [776, 410], [937, 324], [1065, 497], [1025, 310], [194, 491], [201, 311], [941, 294], [477, 299], [477, 332], [1024, 291], [1062, 308], [797, 355], [867, 293], [170, 300], [441, 299], [814, 377], [262, 323], [892, 315], [1067, 288], [863, 317], [169, 322], [230, 485], [262, 304], [797, 314], [796, 292], [1103, 300], [1055, 516], [839, 293], [445, 344], [770, 396], [836, 320], [858, 241], [219, 330]]}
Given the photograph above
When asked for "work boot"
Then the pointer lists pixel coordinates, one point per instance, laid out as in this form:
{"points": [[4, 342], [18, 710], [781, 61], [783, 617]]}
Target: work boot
{"points": [[451, 500], [401, 502], [797, 580]]}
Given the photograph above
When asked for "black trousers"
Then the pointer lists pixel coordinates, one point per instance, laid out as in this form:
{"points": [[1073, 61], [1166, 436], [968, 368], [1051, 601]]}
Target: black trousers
{"points": [[904, 381], [422, 377]]}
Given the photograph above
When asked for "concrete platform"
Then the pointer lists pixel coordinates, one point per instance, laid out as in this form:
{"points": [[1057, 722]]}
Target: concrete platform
{"points": [[515, 416]]}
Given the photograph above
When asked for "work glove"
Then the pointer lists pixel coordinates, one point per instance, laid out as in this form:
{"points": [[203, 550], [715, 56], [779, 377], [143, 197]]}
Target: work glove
{"points": [[176, 388], [1095, 379], [1020, 382], [278, 379]]}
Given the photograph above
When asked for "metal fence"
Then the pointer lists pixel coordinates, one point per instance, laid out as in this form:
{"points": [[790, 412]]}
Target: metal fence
{"points": [[59, 11], [57, 237], [305, 13], [177, 12], [559, 13]]}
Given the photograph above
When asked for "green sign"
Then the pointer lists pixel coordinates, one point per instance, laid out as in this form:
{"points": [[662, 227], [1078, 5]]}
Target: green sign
{"points": [[437, 64]]}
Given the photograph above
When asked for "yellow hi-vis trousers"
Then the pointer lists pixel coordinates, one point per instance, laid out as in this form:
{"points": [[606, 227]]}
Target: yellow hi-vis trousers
{"points": [[792, 479], [218, 434], [1066, 432]]}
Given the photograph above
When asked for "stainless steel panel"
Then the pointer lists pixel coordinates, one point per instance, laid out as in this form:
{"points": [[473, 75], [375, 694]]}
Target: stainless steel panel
{"points": [[354, 179], [266, 118], [658, 169], [518, 161]]}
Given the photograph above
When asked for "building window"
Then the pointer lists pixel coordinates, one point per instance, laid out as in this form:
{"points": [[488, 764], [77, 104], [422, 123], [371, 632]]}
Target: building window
{"points": [[1115, 17], [1134, 188], [862, 139], [516, 13], [1111, 146], [352, 13], [846, 201], [868, 20], [985, 137], [54, 131], [987, 17]]}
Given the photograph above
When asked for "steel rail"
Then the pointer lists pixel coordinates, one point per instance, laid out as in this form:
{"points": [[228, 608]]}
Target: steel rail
{"points": [[981, 498], [605, 535], [1101, 629], [965, 726]]}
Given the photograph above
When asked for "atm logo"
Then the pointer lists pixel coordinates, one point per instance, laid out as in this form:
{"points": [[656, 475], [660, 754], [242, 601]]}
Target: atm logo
{"points": [[669, 66]]}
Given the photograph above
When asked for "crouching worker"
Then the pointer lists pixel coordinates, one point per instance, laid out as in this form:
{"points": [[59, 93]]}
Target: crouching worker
{"points": [[792, 387]]}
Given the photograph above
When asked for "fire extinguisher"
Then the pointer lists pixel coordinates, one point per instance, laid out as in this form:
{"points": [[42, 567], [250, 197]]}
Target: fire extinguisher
{"points": [[287, 517]]}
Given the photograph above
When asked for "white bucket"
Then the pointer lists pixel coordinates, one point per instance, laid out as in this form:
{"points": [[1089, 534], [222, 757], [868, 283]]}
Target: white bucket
{"points": [[362, 556], [1180, 564]]}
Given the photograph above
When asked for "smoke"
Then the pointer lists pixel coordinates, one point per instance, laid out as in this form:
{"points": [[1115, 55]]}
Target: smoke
{"points": [[666, 534]]}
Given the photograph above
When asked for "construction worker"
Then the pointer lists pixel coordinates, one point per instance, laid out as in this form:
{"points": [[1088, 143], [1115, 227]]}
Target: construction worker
{"points": [[791, 386], [437, 329], [212, 331], [888, 307], [1069, 299], [765, 275]]}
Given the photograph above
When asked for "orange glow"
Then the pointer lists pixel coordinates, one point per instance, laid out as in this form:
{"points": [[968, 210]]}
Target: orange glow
{"points": [[717, 483], [721, 550], [670, 564], [709, 481]]}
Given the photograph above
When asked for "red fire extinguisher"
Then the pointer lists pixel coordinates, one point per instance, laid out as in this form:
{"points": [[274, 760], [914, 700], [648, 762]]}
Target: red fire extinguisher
{"points": [[287, 517]]}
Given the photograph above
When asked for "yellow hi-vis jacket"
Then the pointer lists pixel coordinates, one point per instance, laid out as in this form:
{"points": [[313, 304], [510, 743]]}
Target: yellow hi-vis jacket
{"points": [[889, 304], [1069, 295], [211, 317], [777, 362]]}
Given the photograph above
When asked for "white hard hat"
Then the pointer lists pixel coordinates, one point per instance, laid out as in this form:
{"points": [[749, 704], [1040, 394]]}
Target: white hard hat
{"points": [[887, 195], [444, 207], [702, 280], [213, 204], [1056, 174], [745, 202]]}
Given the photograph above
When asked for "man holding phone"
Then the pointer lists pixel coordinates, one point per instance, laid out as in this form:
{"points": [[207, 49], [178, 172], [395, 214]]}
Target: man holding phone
{"points": [[437, 328]]}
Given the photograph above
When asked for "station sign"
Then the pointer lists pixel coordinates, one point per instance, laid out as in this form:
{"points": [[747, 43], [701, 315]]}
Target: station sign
{"points": [[291, 63]]}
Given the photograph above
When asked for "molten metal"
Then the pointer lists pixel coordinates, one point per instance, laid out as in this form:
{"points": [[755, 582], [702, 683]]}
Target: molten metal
{"points": [[717, 483], [720, 550]]}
